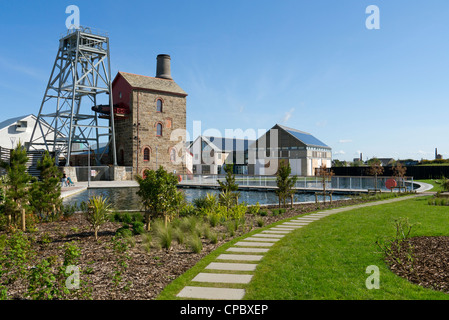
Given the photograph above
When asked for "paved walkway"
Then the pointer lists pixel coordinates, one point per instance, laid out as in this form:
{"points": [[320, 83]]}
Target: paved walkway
{"points": [[238, 264]]}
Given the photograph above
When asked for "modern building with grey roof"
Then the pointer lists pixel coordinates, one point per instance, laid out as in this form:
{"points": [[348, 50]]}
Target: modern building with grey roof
{"points": [[302, 150], [210, 154]]}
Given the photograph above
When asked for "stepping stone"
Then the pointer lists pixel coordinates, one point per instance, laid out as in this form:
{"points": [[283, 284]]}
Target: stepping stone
{"points": [[273, 231], [304, 222], [291, 225], [305, 219], [246, 257], [223, 278], [261, 239], [211, 293], [253, 244], [282, 228], [248, 250], [264, 235], [231, 266], [297, 223]]}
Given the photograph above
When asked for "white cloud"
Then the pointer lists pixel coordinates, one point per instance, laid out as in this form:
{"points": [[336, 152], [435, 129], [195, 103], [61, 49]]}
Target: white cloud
{"points": [[345, 141], [288, 115], [341, 152]]}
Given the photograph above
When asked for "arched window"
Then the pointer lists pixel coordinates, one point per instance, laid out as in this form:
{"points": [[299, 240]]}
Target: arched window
{"points": [[173, 155], [159, 129], [159, 105], [146, 154]]}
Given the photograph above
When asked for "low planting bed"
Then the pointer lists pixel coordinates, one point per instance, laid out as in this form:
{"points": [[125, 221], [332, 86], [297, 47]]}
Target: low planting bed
{"points": [[150, 264]]}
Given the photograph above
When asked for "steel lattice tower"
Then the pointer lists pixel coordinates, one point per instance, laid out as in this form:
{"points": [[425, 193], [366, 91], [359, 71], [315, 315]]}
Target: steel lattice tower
{"points": [[81, 70]]}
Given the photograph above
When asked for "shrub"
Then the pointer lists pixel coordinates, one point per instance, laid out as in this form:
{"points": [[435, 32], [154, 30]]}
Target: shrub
{"points": [[238, 212], [260, 222], [263, 213], [138, 227], [159, 194], [398, 251], [68, 210], [124, 232], [187, 210], [45, 195], [126, 217], [96, 212], [254, 209]]}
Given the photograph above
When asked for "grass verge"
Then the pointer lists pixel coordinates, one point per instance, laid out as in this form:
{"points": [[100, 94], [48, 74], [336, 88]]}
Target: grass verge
{"points": [[328, 259], [435, 183]]}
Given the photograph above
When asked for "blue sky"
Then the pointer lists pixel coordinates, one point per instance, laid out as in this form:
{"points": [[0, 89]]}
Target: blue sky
{"points": [[311, 65]]}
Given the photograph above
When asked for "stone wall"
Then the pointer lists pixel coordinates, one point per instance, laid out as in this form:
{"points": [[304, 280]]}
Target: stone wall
{"points": [[173, 121]]}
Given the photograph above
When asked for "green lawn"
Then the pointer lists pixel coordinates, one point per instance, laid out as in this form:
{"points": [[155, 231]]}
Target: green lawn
{"points": [[328, 258], [435, 182]]}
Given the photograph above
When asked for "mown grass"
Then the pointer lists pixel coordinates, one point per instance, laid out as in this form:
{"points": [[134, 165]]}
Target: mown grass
{"points": [[435, 183], [328, 258]]}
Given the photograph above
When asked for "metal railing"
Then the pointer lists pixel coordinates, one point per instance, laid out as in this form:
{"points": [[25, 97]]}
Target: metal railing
{"points": [[362, 183]]}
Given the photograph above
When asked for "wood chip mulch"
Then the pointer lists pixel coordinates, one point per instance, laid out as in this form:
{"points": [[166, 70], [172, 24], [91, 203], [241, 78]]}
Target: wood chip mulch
{"points": [[148, 272], [429, 266]]}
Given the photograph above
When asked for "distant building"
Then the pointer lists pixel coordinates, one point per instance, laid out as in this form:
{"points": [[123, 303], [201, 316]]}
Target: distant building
{"points": [[438, 156], [303, 151], [386, 162], [20, 129], [210, 154]]}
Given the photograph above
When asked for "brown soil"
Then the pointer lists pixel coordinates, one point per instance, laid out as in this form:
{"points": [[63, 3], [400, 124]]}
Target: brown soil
{"points": [[430, 264], [148, 272]]}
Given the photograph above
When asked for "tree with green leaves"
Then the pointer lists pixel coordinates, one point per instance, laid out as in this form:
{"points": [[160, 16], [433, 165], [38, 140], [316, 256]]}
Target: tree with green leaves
{"points": [[285, 182], [45, 195], [159, 194], [229, 195], [17, 187]]}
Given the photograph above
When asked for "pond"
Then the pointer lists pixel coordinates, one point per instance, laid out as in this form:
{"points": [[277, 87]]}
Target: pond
{"points": [[127, 199]]}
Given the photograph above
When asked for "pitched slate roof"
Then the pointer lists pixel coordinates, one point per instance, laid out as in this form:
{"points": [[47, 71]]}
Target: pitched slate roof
{"points": [[230, 144], [304, 137], [150, 83]]}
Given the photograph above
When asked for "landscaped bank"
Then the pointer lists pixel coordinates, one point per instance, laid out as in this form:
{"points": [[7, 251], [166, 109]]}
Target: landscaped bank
{"points": [[329, 259], [333, 258]]}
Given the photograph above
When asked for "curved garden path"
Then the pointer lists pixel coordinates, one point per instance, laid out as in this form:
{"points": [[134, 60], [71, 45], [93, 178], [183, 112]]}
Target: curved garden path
{"points": [[221, 278]]}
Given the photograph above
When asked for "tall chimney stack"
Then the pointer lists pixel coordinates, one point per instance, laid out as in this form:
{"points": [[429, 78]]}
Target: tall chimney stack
{"points": [[163, 67]]}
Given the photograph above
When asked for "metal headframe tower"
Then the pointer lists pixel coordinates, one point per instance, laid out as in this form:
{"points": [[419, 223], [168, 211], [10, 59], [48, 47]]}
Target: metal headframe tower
{"points": [[81, 75]]}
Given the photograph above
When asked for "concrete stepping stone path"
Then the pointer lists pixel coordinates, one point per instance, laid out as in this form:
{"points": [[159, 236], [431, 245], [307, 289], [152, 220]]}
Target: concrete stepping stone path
{"points": [[251, 250]]}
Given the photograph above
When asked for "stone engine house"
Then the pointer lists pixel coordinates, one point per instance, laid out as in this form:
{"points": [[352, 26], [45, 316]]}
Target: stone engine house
{"points": [[150, 122]]}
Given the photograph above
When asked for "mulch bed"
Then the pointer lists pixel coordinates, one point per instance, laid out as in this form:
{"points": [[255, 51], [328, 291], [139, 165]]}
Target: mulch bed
{"points": [[430, 265], [148, 272]]}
